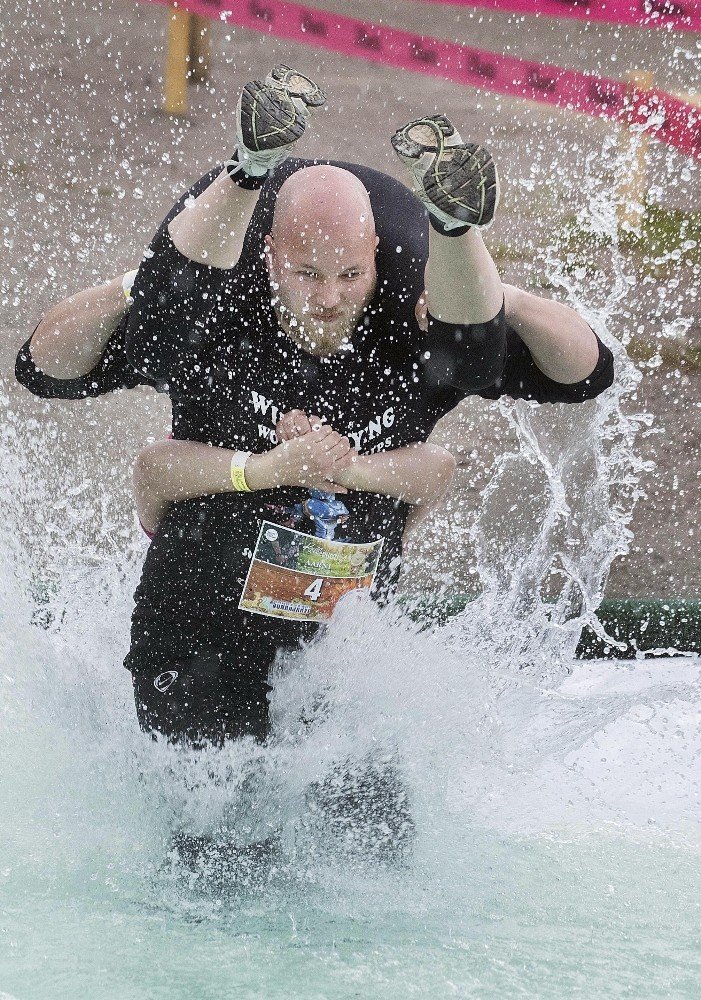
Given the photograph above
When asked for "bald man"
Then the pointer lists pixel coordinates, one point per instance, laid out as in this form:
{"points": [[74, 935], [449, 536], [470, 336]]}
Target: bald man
{"points": [[277, 306]]}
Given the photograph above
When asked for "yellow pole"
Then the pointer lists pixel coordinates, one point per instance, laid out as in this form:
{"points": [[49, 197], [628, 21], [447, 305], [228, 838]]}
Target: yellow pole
{"points": [[199, 49], [633, 183], [690, 96], [177, 60]]}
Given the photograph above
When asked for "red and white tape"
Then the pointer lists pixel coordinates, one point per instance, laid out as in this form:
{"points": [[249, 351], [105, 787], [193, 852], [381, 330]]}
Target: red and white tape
{"points": [[677, 123], [681, 15]]}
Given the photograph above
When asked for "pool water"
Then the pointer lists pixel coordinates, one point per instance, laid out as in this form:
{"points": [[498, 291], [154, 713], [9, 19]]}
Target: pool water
{"points": [[556, 850]]}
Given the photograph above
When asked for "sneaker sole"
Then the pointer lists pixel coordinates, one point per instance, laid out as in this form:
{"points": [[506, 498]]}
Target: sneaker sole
{"points": [[269, 118], [464, 184], [297, 85], [425, 135]]}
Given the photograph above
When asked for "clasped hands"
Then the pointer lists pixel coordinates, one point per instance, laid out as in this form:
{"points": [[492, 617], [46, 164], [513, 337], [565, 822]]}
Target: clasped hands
{"points": [[312, 454]]}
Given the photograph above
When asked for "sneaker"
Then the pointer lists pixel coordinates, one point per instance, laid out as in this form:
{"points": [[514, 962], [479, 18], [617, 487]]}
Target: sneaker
{"points": [[457, 181], [271, 117]]}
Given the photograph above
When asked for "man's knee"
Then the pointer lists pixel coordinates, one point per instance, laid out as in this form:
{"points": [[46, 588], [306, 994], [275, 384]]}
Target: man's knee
{"points": [[365, 807]]}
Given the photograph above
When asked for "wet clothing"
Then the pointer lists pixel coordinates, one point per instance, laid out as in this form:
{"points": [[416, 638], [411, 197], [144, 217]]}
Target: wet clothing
{"points": [[209, 338], [202, 699]]}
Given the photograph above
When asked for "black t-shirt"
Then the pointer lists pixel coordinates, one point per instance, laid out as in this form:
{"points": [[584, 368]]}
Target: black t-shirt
{"points": [[209, 338]]}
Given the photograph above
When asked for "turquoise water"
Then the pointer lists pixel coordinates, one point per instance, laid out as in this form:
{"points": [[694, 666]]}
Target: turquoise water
{"points": [[557, 849], [541, 919]]}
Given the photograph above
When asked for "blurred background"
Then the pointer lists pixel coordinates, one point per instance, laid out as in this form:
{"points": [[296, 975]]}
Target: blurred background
{"points": [[90, 161]]}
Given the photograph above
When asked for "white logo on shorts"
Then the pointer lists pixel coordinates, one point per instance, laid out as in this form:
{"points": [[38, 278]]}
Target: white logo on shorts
{"points": [[164, 680]]}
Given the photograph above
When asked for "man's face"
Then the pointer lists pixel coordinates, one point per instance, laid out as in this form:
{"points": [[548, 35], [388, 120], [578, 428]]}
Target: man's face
{"points": [[321, 284]]}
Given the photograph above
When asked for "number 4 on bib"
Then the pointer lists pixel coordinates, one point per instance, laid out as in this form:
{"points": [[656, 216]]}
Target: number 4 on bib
{"points": [[313, 591]]}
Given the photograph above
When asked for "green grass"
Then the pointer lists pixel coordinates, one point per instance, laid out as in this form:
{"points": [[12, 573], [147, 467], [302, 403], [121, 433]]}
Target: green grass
{"points": [[672, 355], [668, 245], [15, 168], [665, 240], [668, 239], [505, 253]]}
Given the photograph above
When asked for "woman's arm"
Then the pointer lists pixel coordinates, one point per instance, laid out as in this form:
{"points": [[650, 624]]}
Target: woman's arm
{"points": [[168, 471], [177, 470], [417, 474]]}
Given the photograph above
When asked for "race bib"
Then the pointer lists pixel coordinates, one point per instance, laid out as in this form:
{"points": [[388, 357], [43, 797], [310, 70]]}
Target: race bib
{"points": [[302, 577]]}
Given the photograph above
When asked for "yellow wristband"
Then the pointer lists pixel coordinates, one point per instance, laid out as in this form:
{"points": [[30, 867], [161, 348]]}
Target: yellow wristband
{"points": [[127, 282], [238, 475]]}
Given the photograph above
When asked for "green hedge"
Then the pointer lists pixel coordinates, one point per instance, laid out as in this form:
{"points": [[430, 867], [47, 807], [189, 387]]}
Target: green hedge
{"points": [[644, 625]]}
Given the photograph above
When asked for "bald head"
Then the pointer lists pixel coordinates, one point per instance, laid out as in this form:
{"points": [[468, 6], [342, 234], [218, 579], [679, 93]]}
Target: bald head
{"points": [[323, 201], [321, 256]]}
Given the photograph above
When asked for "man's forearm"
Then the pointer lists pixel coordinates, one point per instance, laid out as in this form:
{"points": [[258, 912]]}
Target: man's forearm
{"points": [[71, 338], [418, 474], [561, 343], [211, 228]]}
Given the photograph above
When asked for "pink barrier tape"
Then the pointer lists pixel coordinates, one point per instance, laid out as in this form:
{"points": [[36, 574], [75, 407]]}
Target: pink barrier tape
{"points": [[562, 88], [682, 15]]}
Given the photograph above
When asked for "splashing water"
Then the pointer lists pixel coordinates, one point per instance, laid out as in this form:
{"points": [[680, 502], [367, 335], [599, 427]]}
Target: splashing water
{"points": [[553, 810]]}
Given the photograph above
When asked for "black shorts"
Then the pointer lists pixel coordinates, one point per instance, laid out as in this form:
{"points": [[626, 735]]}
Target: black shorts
{"points": [[203, 699], [207, 699]]}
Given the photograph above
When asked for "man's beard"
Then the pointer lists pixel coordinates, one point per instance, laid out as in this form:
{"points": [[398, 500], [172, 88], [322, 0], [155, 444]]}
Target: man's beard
{"points": [[312, 335]]}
